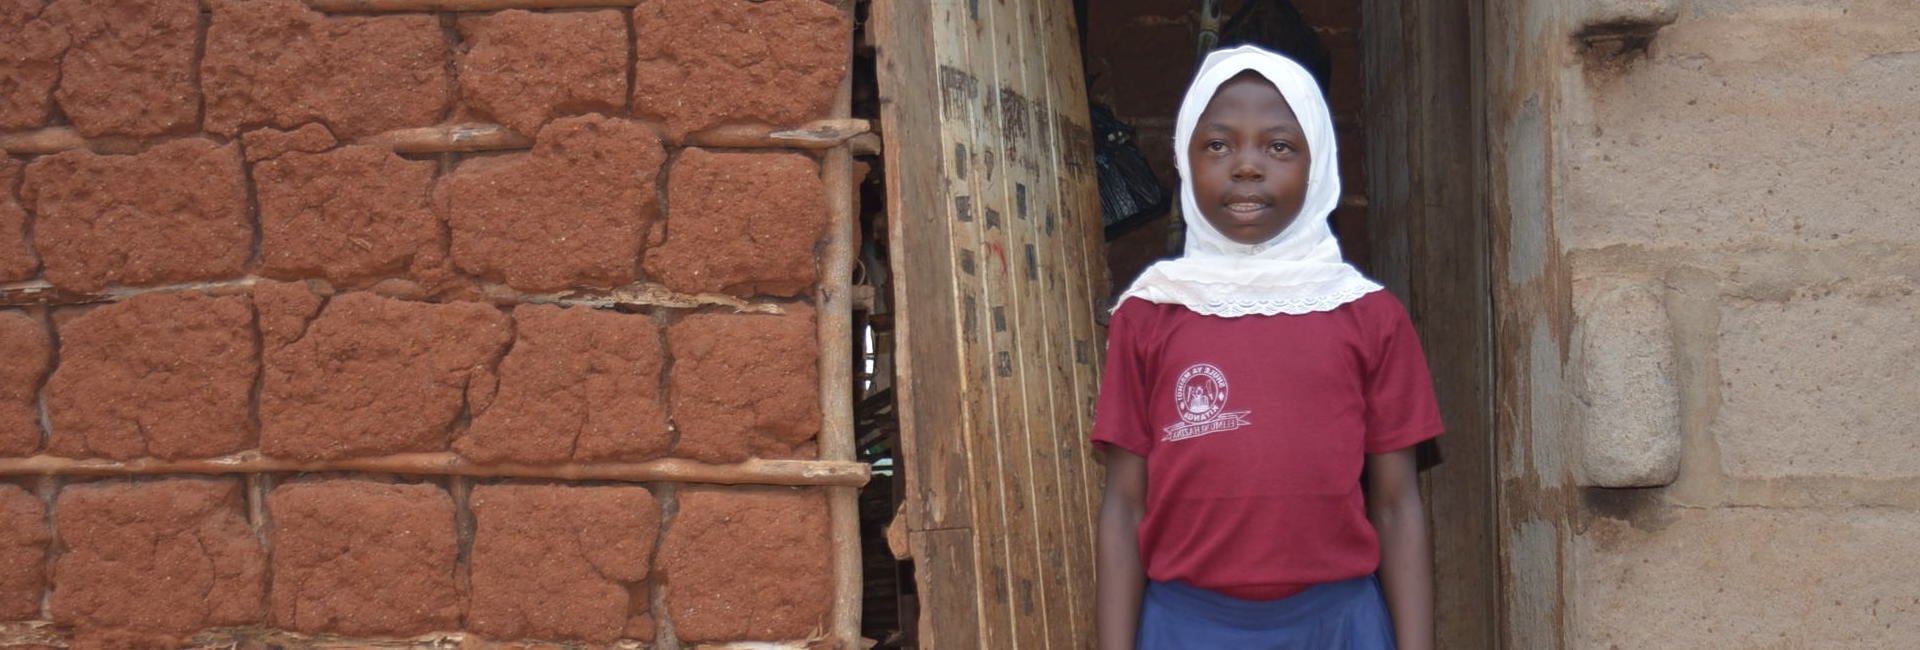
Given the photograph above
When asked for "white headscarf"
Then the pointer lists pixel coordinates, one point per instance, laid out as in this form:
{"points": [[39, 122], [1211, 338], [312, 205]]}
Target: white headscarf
{"points": [[1298, 271]]}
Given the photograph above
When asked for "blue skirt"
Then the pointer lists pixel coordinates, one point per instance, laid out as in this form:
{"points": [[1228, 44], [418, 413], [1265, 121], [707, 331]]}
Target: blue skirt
{"points": [[1345, 615]]}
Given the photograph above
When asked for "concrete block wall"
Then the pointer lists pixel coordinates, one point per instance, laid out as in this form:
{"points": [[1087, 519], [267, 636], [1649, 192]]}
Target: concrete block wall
{"points": [[236, 266], [1734, 202]]}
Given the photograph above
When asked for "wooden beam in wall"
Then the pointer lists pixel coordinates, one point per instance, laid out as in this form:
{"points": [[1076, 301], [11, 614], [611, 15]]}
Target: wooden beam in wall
{"points": [[390, 6], [644, 295], [835, 306], [467, 137], [677, 470]]}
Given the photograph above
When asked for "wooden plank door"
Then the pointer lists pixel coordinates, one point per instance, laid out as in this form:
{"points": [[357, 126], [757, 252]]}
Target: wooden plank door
{"points": [[1428, 220], [998, 267]]}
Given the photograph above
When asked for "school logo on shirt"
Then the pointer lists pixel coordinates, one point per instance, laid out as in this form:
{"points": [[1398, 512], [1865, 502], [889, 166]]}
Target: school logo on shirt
{"points": [[1201, 397]]}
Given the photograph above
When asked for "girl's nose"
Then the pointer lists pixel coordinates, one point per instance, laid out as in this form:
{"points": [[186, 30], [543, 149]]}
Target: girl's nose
{"points": [[1247, 168]]}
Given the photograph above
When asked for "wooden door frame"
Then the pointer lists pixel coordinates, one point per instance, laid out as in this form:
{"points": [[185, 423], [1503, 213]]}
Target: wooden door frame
{"points": [[1429, 232]]}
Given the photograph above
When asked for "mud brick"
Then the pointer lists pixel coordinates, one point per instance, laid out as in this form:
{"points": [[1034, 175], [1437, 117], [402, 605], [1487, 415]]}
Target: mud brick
{"points": [[129, 70], [748, 565], [702, 63], [351, 216], [573, 212], [562, 563], [17, 261], [262, 144], [23, 552], [523, 69], [278, 63], [745, 385], [29, 64], [163, 375], [579, 384], [175, 213], [360, 558], [742, 223], [148, 563], [26, 347], [368, 375]]}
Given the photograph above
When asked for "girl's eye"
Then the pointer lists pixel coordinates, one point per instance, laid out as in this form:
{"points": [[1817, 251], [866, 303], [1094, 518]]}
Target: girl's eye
{"points": [[1281, 147], [1215, 146]]}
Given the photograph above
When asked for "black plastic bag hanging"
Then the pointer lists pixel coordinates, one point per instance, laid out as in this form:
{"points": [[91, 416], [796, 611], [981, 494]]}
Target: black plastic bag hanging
{"points": [[1129, 192]]}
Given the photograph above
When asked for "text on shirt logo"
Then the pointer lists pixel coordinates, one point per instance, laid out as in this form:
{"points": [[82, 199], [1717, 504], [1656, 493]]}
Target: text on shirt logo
{"points": [[1201, 397]]}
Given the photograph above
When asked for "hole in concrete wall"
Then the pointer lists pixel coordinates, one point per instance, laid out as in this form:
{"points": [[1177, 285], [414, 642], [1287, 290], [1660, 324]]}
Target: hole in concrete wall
{"points": [[1642, 508], [1614, 45]]}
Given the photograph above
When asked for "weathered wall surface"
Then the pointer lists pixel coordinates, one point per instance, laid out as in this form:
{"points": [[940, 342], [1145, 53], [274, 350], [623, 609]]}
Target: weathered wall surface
{"points": [[239, 264], [1735, 208]]}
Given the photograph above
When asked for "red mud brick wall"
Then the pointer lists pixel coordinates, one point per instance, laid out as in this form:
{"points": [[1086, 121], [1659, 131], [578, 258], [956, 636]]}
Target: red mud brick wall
{"points": [[233, 266]]}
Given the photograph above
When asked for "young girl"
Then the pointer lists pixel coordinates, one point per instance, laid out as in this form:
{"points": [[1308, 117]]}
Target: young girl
{"points": [[1247, 384]]}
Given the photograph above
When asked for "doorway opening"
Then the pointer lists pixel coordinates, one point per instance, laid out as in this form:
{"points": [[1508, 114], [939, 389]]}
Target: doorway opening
{"points": [[1402, 80]]}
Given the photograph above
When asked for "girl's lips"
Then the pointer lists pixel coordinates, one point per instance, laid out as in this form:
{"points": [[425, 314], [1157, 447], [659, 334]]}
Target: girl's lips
{"points": [[1246, 204]]}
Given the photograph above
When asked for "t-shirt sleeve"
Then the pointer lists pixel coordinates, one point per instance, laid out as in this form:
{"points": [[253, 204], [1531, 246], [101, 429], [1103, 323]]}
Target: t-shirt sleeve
{"points": [[1401, 409], [1119, 416]]}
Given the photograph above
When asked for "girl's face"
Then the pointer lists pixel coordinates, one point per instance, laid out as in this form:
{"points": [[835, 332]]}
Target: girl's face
{"points": [[1249, 161]]}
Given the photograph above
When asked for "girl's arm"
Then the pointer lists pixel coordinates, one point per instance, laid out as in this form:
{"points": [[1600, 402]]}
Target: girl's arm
{"points": [[1120, 578], [1406, 558]]}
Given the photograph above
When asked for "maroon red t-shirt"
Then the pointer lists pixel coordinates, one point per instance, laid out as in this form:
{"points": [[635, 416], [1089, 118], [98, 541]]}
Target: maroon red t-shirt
{"points": [[1255, 430]]}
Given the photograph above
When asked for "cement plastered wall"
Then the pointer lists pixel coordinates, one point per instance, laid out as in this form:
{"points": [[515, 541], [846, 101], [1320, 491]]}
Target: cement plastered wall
{"points": [[238, 264], [1735, 210]]}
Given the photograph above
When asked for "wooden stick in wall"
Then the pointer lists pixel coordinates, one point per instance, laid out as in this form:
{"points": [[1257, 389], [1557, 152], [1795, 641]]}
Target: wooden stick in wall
{"points": [[836, 362], [479, 136], [865, 144], [450, 138], [39, 292], [836, 358], [820, 134], [51, 635], [467, 137], [835, 307], [380, 6], [642, 295], [753, 472], [55, 139], [459, 5]]}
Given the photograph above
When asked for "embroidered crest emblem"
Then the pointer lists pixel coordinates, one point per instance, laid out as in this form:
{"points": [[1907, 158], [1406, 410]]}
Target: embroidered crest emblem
{"points": [[1201, 397]]}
